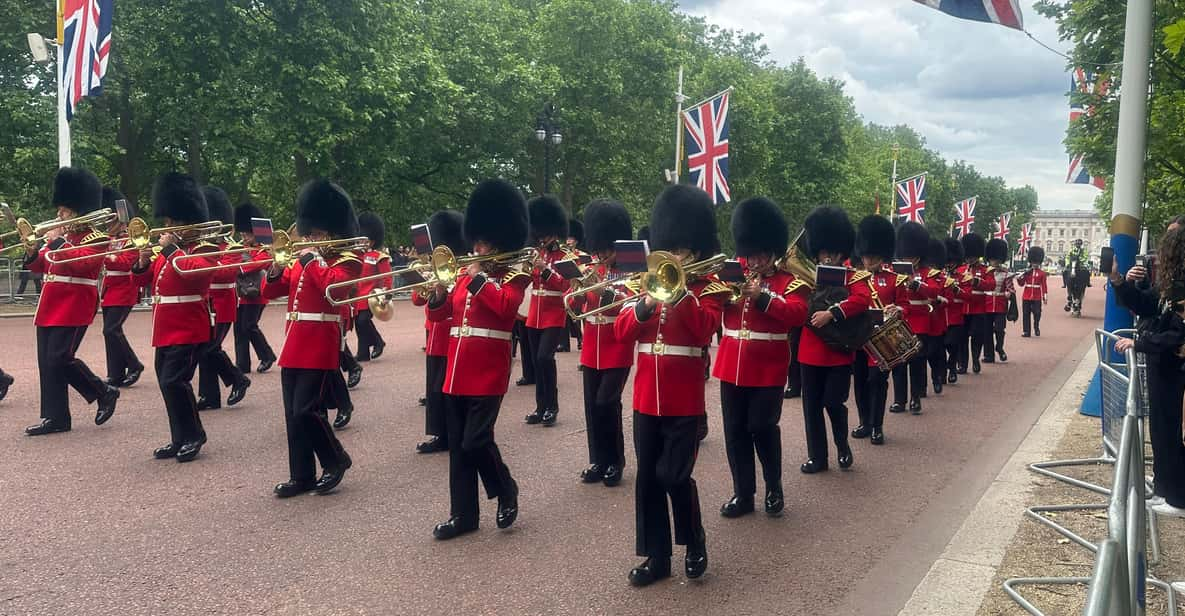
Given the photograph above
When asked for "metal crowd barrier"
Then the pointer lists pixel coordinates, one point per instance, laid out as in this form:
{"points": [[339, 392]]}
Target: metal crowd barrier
{"points": [[1120, 578]]}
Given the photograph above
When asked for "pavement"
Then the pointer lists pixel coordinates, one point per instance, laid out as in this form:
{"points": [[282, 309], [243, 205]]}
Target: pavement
{"points": [[91, 524]]}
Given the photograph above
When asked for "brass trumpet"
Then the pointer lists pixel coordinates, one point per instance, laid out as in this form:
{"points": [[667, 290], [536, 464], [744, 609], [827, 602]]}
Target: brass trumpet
{"points": [[140, 237], [29, 234]]}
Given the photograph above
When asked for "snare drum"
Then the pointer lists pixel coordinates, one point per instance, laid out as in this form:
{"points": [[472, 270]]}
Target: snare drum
{"points": [[892, 344]]}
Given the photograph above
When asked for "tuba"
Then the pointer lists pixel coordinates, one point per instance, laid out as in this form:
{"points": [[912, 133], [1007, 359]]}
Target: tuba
{"points": [[848, 335]]}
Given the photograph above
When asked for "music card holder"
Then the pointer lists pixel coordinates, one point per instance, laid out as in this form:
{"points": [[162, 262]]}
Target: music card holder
{"points": [[585, 259], [877, 315], [831, 276], [732, 271], [411, 277], [631, 255], [9, 217], [261, 228], [421, 239], [567, 268], [121, 210], [903, 267]]}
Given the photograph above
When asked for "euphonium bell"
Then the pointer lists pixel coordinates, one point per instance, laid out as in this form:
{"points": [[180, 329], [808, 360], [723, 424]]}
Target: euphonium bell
{"points": [[798, 262]]}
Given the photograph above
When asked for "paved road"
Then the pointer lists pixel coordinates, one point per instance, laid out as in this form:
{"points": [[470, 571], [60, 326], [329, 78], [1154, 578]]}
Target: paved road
{"points": [[91, 524]]}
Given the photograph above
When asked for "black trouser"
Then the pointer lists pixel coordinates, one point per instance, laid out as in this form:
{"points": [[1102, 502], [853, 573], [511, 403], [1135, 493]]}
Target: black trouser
{"points": [[24, 277], [338, 396], [602, 415], [215, 364], [825, 388], [473, 453], [575, 330], [58, 370], [434, 406], [368, 335], [120, 356], [1166, 389], [956, 347], [993, 337], [174, 371], [1032, 311], [543, 346], [794, 373], [875, 392], [310, 437], [751, 416], [909, 379], [666, 449], [248, 334], [935, 350], [978, 328], [347, 362]]}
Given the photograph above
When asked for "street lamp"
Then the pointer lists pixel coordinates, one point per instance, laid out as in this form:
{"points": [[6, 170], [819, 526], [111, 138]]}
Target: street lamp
{"points": [[547, 130], [39, 47]]}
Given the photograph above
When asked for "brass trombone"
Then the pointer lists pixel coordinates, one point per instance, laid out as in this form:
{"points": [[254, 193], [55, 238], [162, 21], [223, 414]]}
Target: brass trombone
{"points": [[665, 280], [379, 300], [29, 234], [282, 250], [140, 237]]}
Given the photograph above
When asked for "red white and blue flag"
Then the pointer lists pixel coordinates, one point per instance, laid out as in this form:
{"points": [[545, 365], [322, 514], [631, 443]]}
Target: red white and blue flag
{"points": [[964, 217], [707, 146], [1026, 240], [1079, 175], [85, 26], [1001, 232], [1083, 81], [911, 198], [1003, 12]]}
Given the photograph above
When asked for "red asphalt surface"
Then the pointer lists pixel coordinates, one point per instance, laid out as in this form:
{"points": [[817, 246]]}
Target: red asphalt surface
{"points": [[90, 523]]}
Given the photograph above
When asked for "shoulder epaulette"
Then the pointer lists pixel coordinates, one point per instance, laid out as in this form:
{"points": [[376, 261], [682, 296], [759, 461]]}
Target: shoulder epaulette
{"points": [[234, 244], [934, 273], [205, 247], [901, 279], [859, 275], [346, 257], [797, 284], [950, 282], [511, 274], [383, 255], [715, 287], [94, 236]]}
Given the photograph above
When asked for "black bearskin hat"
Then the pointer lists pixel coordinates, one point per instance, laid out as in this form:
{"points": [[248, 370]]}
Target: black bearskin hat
{"points": [[111, 195], [447, 228], [829, 228], [178, 197], [606, 222], [644, 233], [1036, 254], [954, 250], [548, 218], [77, 189], [243, 215], [874, 237], [997, 250], [323, 205], [576, 231], [218, 204], [973, 246], [913, 241], [497, 214], [759, 227], [682, 218], [935, 253], [370, 225]]}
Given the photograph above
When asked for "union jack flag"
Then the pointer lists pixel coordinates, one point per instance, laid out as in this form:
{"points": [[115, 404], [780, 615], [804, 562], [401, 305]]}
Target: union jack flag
{"points": [[1001, 232], [85, 26], [1083, 81], [707, 149], [964, 217], [911, 198], [1003, 12], [1079, 175], [1026, 240]]}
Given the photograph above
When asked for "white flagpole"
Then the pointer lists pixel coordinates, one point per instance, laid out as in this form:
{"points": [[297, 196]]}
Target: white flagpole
{"points": [[893, 183], [63, 123], [679, 98]]}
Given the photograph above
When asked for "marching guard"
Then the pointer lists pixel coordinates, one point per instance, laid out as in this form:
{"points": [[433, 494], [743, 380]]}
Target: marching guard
{"points": [[374, 261], [916, 301], [214, 364], [546, 318], [67, 305], [996, 300], [309, 356], [606, 359], [575, 245], [978, 320], [956, 314], [120, 292], [1036, 292], [875, 245], [669, 387], [482, 304], [939, 319], [252, 301], [754, 355]]}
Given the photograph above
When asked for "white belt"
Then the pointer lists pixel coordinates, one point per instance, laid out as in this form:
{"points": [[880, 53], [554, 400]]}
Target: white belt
{"points": [[544, 293], [744, 334], [314, 316], [176, 299], [1032, 286], [478, 332], [919, 302], [959, 301], [659, 348], [598, 320], [979, 292], [90, 282], [110, 274], [994, 293], [222, 286]]}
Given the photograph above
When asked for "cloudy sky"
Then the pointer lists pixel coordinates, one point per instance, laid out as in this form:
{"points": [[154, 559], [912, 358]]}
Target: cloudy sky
{"points": [[977, 92]]}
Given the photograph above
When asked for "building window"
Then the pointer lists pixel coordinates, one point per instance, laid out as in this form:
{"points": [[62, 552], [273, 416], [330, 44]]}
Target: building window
{"points": [[1061, 246], [1073, 232], [1061, 233], [1049, 245]]}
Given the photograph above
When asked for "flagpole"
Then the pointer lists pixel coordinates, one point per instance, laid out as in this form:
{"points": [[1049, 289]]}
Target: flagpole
{"points": [[679, 98], [893, 182], [59, 85]]}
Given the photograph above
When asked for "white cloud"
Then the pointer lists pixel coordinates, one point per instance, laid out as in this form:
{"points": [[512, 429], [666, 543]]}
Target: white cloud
{"points": [[976, 92]]}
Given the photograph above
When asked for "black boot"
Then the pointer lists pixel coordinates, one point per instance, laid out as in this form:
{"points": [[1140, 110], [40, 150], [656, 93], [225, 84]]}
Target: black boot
{"points": [[952, 376], [915, 406], [650, 571], [613, 474], [508, 506], [344, 414], [107, 401], [897, 407], [845, 457], [878, 437], [432, 445], [938, 386], [975, 367], [535, 417], [592, 474], [353, 377], [861, 431], [695, 564], [812, 466], [549, 417], [238, 392], [46, 426], [774, 501], [737, 506], [1002, 354]]}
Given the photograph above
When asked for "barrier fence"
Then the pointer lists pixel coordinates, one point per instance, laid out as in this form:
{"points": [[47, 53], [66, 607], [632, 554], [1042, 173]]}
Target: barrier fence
{"points": [[1118, 584]]}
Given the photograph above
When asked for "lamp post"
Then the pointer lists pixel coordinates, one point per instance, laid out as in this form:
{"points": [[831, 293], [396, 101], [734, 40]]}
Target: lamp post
{"points": [[547, 130], [39, 47]]}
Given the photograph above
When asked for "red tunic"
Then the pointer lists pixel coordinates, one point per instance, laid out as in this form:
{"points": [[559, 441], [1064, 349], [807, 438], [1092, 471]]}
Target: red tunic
{"points": [[976, 305], [918, 305], [71, 292], [224, 296], [121, 286], [670, 360], [1034, 284], [251, 264], [755, 350], [960, 291], [547, 294], [180, 312], [373, 262], [938, 318], [314, 335], [996, 300], [811, 349], [483, 310], [437, 330], [602, 348]]}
